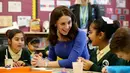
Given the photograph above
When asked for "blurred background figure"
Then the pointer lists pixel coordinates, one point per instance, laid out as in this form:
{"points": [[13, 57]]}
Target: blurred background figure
{"points": [[85, 13], [34, 46]]}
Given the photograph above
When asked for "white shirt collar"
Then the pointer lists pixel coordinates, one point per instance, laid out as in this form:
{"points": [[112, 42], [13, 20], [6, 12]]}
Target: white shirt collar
{"points": [[15, 56]]}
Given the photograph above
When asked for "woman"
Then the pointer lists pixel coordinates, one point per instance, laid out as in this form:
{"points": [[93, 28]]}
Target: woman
{"points": [[67, 42], [15, 49], [85, 13]]}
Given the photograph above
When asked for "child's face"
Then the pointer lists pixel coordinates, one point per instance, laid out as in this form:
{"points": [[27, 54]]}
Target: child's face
{"points": [[123, 55], [93, 35], [33, 47], [17, 42]]}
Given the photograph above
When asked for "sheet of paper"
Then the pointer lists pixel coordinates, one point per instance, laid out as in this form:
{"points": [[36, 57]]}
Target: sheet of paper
{"points": [[5, 21], [23, 20], [101, 2], [126, 24], [0, 6], [47, 5], [63, 2], [121, 3], [14, 6]]}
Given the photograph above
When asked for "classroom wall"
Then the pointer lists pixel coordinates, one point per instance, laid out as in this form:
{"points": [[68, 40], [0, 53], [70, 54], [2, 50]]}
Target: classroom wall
{"points": [[113, 5], [44, 15]]}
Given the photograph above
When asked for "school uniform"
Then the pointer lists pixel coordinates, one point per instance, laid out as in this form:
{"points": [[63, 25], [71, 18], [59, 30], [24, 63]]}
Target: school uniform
{"points": [[106, 57], [23, 55]]}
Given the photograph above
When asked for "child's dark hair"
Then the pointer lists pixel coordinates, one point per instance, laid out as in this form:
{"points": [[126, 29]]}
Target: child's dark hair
{"points": [[33, 40], [121, 41], [11, 33], [101, 26]]}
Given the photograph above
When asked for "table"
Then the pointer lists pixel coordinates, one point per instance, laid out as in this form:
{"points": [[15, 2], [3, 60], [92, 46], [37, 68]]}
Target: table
{"points": [[58, 70]]}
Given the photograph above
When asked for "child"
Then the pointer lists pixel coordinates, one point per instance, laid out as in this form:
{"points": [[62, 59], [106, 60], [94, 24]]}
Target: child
{"points": [[120, 44], [15, 49], [100, 32]]}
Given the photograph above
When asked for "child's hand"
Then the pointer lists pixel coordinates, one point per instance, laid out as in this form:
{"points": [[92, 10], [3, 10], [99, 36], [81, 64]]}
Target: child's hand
{"points": [[86, 63], [18, 64], [104, 70]]}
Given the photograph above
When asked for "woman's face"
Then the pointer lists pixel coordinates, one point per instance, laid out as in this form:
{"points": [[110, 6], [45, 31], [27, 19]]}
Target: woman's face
{"points": [[123, 55], [17, 42], [64, 25], [93, 36]]}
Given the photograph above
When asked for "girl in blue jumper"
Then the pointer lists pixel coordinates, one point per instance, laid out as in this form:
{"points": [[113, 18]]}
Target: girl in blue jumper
{"points": [[67, 42]]}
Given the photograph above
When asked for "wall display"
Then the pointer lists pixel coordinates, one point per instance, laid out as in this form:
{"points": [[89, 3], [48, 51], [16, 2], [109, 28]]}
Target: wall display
{"points": [[14, 6], [23, 20], [125, 23], [114, 17], [121, 3], [122, 17], [63, 2], [101, 2], [47, 5], [5, 21], [0, 6], [109, 11], [117, 11], [126, 11], [102, 10]]}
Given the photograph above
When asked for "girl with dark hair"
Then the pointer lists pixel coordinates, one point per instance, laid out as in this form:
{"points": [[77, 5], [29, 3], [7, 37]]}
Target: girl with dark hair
{"points": [[67, 42], [101, 30], [15, 49]]}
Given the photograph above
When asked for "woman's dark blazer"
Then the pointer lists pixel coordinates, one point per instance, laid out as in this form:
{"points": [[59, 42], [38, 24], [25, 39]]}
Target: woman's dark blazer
{"points": [[76, 10], [25, 56]]}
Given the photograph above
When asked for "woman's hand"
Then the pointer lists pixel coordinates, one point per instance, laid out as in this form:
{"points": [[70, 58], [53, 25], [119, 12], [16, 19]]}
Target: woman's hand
{"points": [[18, 64], [37, 61], [86, 63]]}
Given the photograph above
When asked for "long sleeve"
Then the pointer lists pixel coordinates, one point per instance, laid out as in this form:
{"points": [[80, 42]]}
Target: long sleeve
{"points": [[52, 56], [78, 49], [110, 57]]}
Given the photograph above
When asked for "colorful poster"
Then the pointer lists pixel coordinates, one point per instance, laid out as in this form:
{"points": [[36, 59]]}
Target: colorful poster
{"points": [[47, 5], [117, 11], [63, 2], [122, 17], [126, 11], [0, 6], [121, 3], [109, 11], [114, 17], [5, 21], [14, 6]]}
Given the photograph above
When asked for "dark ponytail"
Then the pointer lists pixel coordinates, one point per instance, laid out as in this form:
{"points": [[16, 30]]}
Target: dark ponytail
{"points": [[103, 26]]}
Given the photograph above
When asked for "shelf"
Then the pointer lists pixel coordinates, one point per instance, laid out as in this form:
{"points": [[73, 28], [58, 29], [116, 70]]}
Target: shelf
{"points": [[42, 33], [31, 34]]}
